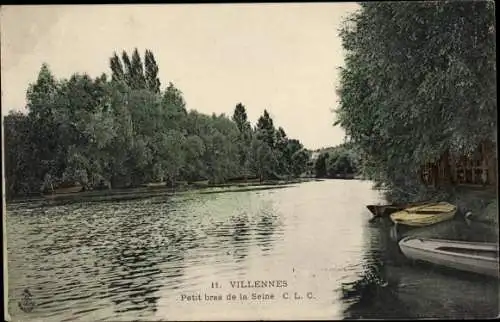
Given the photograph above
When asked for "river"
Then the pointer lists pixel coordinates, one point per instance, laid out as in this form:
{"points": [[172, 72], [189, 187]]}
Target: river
{"points": [[153, 259]]}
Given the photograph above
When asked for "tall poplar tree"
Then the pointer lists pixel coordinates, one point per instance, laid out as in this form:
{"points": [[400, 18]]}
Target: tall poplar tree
{"points": [[127, 68], [138, 81], [116, 66], [151, 72]]}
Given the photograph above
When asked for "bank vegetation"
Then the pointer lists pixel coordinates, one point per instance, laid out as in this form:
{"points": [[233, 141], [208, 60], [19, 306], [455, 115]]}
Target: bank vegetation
{"points": [[127, 130], [419, 82]]}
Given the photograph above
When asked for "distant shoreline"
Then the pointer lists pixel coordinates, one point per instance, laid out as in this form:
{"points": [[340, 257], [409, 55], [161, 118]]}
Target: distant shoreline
{"points": [[147, 191], [347, 176]]}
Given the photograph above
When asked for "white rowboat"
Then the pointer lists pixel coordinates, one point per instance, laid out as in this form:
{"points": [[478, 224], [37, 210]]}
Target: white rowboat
{"points": [[480, 258]]}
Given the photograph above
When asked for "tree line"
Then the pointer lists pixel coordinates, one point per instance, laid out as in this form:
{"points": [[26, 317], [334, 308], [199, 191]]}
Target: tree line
{"points": [[337, 162], [126, 130], [419, 81]]}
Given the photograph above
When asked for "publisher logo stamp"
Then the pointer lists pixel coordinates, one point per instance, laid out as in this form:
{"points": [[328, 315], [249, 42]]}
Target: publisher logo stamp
{"points": [[26, 302]]}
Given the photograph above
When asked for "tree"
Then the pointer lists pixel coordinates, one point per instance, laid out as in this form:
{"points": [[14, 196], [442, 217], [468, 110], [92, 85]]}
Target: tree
{"points": [[341, 165], [174, 100], [265, 129], [173, 154], [20, 165], [42, 104], [82, 93], [261, 159], [41, 95], [151, 72], [221, 145], [292, 146], [244, 138], [417, 87], [129, 71], [299, 162], [320, 165], [241, 119], [283, 154], [117, 72], [194, 168], [138, 80]]}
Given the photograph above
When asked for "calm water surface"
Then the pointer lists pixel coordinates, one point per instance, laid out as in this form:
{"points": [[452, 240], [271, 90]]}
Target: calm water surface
{"points": [[137, 260]]}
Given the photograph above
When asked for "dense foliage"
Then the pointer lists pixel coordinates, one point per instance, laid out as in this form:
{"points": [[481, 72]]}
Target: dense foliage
{"points": [[126, 131], [420, 79], [339, 161]]}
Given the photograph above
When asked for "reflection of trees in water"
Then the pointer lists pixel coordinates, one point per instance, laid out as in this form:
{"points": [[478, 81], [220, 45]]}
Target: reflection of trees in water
{"points": [[138, 277], [139, 248], [246, 228], [266, 227], [374, 295], [175, 270], [240, 236], [231, 236], [134, 284]]}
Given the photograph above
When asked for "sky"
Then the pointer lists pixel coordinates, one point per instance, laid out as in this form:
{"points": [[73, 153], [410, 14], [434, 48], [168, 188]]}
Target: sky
{"points": [[280, 57]]}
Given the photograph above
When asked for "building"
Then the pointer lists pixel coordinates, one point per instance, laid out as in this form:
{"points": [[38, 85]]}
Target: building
{"points": [[314, 156], [477, 169]]}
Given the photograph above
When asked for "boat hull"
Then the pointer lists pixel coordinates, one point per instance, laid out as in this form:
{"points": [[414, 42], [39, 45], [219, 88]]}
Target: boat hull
{"points": [[463, 256], [425, 215], [387, 210]]}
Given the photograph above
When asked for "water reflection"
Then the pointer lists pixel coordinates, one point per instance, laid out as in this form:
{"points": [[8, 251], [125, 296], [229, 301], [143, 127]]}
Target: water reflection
{"points": [[264, 230], [135, 282], [392, 287], [370, 295], [240, 236]]}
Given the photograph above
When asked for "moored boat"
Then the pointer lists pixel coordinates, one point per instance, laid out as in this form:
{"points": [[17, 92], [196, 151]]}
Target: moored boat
{"points": [[480, 258], [424, 215], [63, 191], [386, 210], [154, 185]]}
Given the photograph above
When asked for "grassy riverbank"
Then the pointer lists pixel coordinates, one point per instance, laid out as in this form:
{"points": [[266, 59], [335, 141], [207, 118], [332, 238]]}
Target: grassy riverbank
{"points": [[483, 203], [155, 191]]}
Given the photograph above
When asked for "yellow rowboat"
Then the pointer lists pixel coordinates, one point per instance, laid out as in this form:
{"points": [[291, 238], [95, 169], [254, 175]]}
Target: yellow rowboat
{"points": [[424, 215]]}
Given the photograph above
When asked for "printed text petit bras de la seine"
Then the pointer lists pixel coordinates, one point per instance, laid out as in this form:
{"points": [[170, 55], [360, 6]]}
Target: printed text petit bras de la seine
{"points": [[245, 285]]}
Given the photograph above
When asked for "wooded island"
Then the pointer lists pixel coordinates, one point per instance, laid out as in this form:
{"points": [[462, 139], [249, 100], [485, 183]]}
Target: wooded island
{"points": [[126, 131]]}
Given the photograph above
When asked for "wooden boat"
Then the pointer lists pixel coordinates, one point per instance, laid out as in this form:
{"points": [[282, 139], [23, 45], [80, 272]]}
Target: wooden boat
{"points": [[480, 258], [200, 183], [154, 185], [386, 210], [63, 191], [424, 215]]}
